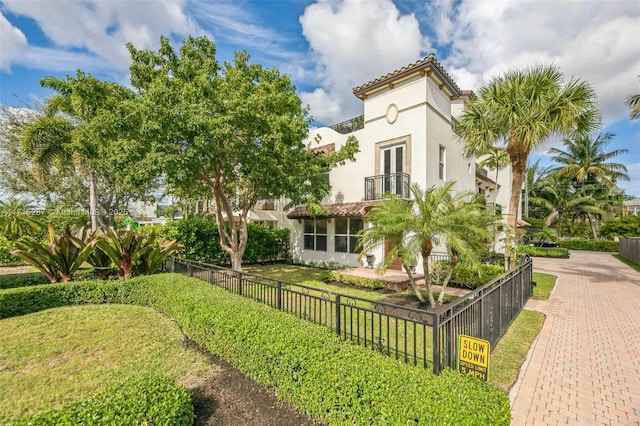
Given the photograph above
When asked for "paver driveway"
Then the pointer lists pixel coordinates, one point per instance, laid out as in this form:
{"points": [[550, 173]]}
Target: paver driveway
{"points": [[584, 368]]}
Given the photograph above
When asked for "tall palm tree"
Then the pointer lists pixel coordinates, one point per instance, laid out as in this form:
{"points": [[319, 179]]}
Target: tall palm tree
{"points": [[496, 159], [412, 227], [587, 161], [523, 108], [633, 102]]}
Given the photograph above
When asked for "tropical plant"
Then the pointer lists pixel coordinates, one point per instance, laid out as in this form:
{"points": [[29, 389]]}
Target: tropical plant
{"points": [[633, 102], [157, 253], [410, 228], [17, 219], [101, 263], [59, 257], [586, 161], [238, 135], [124, 248], [521, 109], [495, 159]]}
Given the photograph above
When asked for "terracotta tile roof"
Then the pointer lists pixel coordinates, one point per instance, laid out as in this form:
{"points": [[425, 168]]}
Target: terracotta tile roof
{"points": [[429, 62], [357, 209], [324, 149]]}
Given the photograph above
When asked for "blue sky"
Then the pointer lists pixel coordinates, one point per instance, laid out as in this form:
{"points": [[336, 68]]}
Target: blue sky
{"points": [[329, 47]]}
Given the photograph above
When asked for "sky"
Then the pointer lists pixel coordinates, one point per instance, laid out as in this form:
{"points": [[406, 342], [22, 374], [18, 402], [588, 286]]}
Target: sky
{"points": [[329, 47]]}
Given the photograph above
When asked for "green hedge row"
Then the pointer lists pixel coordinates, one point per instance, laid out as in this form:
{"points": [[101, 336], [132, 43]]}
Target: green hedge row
{"points": [[371, 283], [559, 252], [27, 279], [335, 382], [135, 401], [590, 245], [464, 274]]}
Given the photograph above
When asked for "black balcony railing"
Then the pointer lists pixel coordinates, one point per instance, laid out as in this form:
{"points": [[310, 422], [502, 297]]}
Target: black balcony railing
{"points": [[394, 183], [349, 126]]}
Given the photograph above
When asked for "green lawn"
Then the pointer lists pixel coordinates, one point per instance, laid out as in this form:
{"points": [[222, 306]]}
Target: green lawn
{"points": [[627, 262], [65, 354], [545, 284]]}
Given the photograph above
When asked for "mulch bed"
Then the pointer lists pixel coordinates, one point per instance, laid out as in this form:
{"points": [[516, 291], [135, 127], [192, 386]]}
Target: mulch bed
{"points": [[229, 398]]}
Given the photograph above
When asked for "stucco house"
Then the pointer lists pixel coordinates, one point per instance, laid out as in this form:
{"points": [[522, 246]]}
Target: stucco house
{"points": [[405, 136]]}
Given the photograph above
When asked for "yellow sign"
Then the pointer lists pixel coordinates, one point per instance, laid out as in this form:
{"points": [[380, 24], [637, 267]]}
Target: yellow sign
{"points": [[473, 356]]}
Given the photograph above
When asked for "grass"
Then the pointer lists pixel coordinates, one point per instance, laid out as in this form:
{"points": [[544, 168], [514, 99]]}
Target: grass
{"points": [[510, 352], [61, 355], [627, 262], [545, 284]]}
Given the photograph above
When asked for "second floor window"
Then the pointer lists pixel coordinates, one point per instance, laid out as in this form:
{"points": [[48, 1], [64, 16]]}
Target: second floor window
{"points": [[346, 234], [315, 234]]}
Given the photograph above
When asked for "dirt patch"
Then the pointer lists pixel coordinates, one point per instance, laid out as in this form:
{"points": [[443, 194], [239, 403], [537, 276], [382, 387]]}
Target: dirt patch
{"points": [[229, 398]]}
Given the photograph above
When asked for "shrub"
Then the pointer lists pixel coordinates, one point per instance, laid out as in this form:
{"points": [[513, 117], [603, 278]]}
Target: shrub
{"points": [[560, 253], [202, 241], [627, 226], [371, 283], [6, 258], [135, 401], [334, 381], [22, 280], [464, 274], [590, 245]]}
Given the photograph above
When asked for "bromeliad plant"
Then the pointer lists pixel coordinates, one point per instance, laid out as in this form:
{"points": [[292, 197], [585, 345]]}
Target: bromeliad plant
{"points": [[130, 249], [59, 257]]}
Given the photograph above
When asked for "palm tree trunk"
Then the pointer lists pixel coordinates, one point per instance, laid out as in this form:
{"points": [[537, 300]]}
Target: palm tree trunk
{"points": [[93, 201], [592, 225], [412, 283], [426, 252], [454, 263], [519, 168]]}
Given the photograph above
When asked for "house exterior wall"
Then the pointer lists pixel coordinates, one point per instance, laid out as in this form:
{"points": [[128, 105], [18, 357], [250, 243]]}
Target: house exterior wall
{"points": [[414, 112]]}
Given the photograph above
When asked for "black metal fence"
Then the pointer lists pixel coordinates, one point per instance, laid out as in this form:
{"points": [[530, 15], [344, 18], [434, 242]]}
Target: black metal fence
{"points": [[415, 336]]}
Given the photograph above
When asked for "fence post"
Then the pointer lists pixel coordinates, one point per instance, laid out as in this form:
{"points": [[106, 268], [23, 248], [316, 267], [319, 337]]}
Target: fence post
{"points": [[240, 279], [173, 264], [279, 296], [338, 320], [436, 343], [190, 270]]}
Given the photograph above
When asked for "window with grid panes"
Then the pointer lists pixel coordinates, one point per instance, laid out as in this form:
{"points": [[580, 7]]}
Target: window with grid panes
{"points": [[315, 234], [346, 234]]}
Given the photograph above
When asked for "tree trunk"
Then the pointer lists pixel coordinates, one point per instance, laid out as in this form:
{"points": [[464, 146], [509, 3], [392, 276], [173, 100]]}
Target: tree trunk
{"points": [[426, 252], [592, 225], [412, 283], [518, 157], [495, 224], [454, 263], [93, 201]]}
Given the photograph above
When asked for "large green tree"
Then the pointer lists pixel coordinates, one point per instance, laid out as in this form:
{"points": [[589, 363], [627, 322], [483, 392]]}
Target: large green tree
{"points": [[521, 109], [234, 129], [586, 161], [410, 228], [88, 127]]}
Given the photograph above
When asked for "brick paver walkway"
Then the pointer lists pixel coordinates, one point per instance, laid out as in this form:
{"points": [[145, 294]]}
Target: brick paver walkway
{"points": [[584, 368]]}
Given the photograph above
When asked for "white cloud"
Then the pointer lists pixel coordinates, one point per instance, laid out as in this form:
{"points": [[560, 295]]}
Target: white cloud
{"points": [[596, 43], [103, 28], [354, 42], [13, 41]]}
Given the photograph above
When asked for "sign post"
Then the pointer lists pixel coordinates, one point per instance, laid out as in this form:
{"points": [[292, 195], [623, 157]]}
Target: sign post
{"points": [[473, 356]]}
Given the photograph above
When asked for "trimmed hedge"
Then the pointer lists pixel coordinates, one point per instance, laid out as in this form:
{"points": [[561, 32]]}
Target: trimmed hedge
{"points": [[371, 283], [559, 252], [135, 401], [464, 274], [591, 245], [334, 381], [27, 279]]}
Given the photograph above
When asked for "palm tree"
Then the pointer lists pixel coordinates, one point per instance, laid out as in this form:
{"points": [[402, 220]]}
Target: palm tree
{"points": [[412, 227], [524, 108], [559, 198], [496, 159], [586, 161], [633, 102], [17, 219]]}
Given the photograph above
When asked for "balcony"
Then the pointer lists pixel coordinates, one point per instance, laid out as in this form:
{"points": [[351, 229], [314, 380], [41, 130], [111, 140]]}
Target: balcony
{"points": [[265, 205], [349, 126], [394, 183]]}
